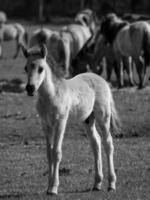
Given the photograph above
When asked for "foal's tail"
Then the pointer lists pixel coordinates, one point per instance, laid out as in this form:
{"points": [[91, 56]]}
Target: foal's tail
{"points": [[115, 123]]}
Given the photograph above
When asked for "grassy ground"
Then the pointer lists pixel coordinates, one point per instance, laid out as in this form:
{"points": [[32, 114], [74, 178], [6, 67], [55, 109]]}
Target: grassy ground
{"points": [[23, 164]]}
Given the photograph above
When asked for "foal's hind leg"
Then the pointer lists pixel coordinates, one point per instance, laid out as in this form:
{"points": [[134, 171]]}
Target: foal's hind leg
{"points": [[109, 149], [96, 147]]}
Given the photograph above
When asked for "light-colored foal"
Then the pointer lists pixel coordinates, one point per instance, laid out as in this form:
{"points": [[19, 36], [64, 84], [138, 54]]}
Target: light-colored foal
{"points": [[87, 97]]}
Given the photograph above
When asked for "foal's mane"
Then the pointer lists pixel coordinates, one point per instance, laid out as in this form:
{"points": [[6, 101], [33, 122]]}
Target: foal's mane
{"points": [[34, 51], [111, 25], [56, 68]]}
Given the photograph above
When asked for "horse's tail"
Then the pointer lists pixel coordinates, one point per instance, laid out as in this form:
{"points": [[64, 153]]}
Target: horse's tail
{"points": [[115, 123], [146, 46]]}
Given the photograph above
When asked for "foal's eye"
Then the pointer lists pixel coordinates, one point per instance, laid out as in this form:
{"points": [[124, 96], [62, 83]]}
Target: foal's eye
{"points": [[40, 70], [25, 68]]}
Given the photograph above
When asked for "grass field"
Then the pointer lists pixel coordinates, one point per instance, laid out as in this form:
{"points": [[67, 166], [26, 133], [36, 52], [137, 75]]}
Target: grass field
{"points": [[23, 164]]}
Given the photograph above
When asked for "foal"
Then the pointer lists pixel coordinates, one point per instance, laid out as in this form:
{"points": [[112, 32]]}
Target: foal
{"points": [[86, 97]]}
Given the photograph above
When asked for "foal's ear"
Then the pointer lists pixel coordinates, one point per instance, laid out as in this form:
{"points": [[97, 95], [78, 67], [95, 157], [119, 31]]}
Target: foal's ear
{"points": [[43, 50], [24, 50]]}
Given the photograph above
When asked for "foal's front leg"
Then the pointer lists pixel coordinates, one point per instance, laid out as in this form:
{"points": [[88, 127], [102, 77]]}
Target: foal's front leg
{"points": [[59, 129], [48, 130]]}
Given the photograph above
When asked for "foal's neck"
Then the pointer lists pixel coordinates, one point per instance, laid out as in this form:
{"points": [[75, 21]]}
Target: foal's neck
{"points": [[51, 86]]}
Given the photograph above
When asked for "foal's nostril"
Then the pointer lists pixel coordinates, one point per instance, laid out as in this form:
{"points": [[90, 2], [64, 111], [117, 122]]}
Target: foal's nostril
{"points": [[30, 88]]}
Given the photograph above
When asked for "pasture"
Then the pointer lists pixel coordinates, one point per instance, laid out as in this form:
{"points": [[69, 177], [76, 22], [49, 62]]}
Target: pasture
{"points": [[23, 163]]}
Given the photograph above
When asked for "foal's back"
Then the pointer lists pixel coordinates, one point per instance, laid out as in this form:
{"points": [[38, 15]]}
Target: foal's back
{"points": [[89, 93]]}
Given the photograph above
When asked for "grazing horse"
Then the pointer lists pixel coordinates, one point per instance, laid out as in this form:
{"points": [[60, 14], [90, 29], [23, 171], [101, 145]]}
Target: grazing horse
{"points": [[106, 50], [129, 40], [86, 98], [13, 32], [86, 60], [40, 36], [68, 42], [65, 44]]}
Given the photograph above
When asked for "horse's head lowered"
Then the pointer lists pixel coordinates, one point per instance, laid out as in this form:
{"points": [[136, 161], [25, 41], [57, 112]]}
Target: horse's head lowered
{"points": [[35, 67], [110, 26]]}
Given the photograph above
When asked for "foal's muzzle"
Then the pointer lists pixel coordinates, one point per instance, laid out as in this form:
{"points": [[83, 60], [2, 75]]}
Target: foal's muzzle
{"points": [[30, 89]]}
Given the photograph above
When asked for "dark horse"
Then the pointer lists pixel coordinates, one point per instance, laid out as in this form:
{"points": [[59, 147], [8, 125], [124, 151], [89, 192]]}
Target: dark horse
{"points": [[127, 40], [93, 58]]}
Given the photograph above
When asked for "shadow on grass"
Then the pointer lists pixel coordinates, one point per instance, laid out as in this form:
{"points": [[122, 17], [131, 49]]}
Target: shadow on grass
{"points": [[15, 85]]}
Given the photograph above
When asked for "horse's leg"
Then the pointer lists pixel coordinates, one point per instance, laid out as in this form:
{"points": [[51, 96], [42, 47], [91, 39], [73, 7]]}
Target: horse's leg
{"points": [[144, 72], [48, 130], [127, 62], [97, 67], [18, 47], [118, 67], [121, 80], [67, 60], [141, 70], [96, 147], [1, 52], [109, 68], [59, 129], [109, 149]]}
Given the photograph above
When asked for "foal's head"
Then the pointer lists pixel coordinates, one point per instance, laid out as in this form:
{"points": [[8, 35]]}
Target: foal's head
{"points": [[35, 67]]}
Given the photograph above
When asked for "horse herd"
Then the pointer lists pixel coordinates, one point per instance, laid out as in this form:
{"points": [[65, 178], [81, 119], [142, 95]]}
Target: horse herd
{"points": [[89, 45], [53, 56]]}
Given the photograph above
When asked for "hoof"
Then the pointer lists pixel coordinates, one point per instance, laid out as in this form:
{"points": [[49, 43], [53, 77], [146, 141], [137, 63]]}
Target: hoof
{"points": [[51, 194], [141, 87], [132, 84], [97, 187], [52, 191], [120, 86], [111, 188]]}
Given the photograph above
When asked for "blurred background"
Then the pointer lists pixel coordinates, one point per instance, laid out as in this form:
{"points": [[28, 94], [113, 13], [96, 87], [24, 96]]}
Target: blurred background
{"points": [[43, 10]]}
